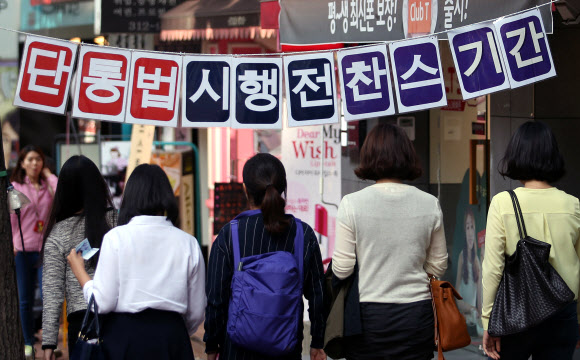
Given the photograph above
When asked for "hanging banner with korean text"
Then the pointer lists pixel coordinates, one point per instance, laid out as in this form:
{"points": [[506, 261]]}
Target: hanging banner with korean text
{"points": [[478, 62], [45, 74], [304, 22], [154, 91], [525, 48], [311, 89], [206, 92], [101, 83], [418, 76], [257, 93], [365, 82]]}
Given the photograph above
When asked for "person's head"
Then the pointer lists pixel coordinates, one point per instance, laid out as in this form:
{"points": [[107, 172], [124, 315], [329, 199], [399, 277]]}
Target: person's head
{"points": [[265, 184], [30, 163], [533, 154], [469, 223], [82, 191], [470, 247], [387, 153], [115, 153], [148, 192]]}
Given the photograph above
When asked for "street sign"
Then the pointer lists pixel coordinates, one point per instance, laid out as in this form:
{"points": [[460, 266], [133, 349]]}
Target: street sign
{"points": [[365, 83], [45, 74], [418, 77], [478, 61], [257, 96], [206, 92], [154, 91], [311, 89], [525, 48], [101, 84]]}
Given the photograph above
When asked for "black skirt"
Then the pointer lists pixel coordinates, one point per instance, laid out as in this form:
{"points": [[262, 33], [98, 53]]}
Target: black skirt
{"points": [[393, 332], [149, 334]]}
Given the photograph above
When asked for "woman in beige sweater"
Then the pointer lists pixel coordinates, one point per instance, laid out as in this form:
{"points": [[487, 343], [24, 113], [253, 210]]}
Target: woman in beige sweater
{"points": [[395, 232], [550, 215]]}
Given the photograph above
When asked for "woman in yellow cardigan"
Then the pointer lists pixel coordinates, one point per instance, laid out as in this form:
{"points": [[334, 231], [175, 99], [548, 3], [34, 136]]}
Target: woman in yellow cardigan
{"points": [[550, 215]]}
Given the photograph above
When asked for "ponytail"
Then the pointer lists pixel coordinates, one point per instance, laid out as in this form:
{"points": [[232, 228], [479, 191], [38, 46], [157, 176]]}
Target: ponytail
{"points": [[272, 208]]}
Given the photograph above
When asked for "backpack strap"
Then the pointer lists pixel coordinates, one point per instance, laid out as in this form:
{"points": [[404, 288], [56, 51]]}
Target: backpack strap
{"points": [[299, 248], [236, 238]]}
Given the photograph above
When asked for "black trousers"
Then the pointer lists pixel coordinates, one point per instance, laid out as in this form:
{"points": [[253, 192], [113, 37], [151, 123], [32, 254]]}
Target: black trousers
{"points": [[394, 332], [554, 339]]}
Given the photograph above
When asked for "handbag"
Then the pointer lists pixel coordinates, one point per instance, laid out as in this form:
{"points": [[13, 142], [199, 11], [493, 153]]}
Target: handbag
{"points": [[88, 347], [530, 290], [450, 326]]}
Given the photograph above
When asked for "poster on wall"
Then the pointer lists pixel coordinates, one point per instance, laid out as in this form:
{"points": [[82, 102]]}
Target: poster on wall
{"points": [[114, 160], [467, 252], [306, 153]]}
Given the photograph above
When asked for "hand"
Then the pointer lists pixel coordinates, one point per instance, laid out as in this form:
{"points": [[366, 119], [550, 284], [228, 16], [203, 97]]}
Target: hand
{"points": [[49, 354], [317, 354], [212, 356], [46, 172], [76, 261], [491, 345]]}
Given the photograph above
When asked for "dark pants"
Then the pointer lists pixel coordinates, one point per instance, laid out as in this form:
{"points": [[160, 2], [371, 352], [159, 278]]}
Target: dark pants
{"points": [[554, 339], [393, 332], [27, 272]]}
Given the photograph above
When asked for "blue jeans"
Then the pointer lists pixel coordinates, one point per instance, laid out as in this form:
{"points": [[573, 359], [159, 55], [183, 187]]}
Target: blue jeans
{"points": [[555, 338], [27, 272]]}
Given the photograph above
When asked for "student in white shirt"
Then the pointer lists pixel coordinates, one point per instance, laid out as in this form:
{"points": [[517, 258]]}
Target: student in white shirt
{"points": [[150, 277]]}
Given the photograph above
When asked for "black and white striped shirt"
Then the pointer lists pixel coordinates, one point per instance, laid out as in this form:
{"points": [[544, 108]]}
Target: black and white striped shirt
{"points": [[255, 240]]}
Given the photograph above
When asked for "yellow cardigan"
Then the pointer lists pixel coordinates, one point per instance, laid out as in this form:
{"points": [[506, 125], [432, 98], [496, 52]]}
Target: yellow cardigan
{"points": [[550, 215]]}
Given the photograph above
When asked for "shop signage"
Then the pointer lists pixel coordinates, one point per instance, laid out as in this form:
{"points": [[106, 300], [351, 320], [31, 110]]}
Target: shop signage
{"points": [[65, 14], [206, 89], [355, 21], [310, 89], [246, 91], [132, 16], [141, 147], [365, 82], [257, 93], [418, 76], [153, 94], [525, 48], [45, 74], [480, 67], [101, 83]]}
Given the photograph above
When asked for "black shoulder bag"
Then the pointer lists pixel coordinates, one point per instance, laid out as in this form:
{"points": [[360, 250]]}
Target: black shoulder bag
{"points": [[530, 290], [88, 347]]}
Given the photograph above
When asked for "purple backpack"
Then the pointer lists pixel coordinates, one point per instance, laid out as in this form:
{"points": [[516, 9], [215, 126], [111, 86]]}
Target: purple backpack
{"points": [[266, 303]]}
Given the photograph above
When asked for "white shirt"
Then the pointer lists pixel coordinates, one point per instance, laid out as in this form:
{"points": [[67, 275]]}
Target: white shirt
{"points": [[396, 232], [149, 263]]}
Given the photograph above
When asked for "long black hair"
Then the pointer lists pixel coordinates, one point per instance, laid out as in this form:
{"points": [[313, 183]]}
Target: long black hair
{"points": [[81, 190], [265, 181], [148, 192]]}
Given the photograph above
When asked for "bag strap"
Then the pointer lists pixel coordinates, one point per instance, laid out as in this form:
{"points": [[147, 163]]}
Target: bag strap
{"points": [[519, 215], [437, 340], [85, 327], [298, 243]]}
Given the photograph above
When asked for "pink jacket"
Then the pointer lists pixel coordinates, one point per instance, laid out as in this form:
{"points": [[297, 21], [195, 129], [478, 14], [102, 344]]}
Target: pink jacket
{"points": [[38, 209]]}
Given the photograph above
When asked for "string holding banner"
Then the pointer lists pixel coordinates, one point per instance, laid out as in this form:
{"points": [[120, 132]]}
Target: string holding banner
{"points": [[144, 87]]}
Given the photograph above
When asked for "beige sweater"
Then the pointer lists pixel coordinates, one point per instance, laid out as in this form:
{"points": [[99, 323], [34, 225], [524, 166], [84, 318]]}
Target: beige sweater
{"points": [[396, 232]]}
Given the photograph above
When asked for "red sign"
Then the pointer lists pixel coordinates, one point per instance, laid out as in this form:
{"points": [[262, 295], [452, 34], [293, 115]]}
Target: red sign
{"points": [[45, 74], [155, 81], [101, 84], [419, 17]]}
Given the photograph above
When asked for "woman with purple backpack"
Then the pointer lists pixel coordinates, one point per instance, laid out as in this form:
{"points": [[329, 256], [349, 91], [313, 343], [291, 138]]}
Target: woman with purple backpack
{"points": [[260, 265]]}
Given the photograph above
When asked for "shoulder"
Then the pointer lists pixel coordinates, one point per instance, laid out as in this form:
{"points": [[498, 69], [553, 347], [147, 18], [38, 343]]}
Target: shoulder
{"points": [[65, 226]]}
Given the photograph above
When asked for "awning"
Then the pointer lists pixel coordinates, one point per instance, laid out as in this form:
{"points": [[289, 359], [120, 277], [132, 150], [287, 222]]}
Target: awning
{"points": [[214, 19]]}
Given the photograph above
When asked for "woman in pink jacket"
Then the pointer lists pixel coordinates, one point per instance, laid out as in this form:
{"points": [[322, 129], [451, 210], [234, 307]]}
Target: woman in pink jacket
{"points": [[34, 180]]}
